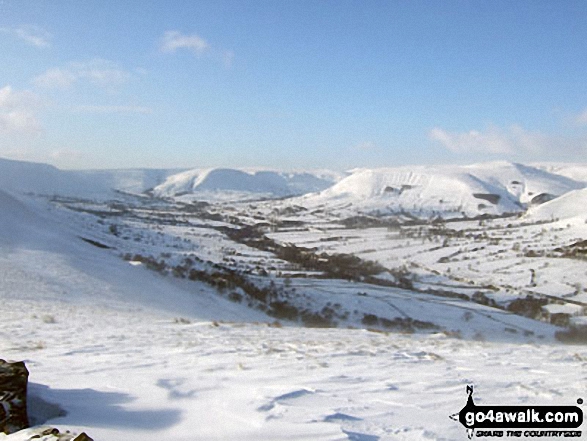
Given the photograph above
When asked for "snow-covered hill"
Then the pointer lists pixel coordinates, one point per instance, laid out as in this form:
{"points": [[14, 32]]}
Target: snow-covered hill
{"points": [[28, 177], [135, 181], [44, 179], [262, 183], [578, 172], [570, 205], [449, 191], [130, 353], [43, 256]]}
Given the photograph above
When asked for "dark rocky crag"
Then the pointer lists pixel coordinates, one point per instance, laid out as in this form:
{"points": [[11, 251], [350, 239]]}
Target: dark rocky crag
{"points": [[13, 396]]}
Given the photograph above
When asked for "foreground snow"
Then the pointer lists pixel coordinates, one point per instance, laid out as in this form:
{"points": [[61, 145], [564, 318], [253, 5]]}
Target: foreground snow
{"points": [[123, 373]]}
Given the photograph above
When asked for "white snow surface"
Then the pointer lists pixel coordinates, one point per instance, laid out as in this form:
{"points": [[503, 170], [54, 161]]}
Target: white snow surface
{"points": [[487, 188], [263, 182], [577, 172], [570, 205], [130, 354], [43, 179]]}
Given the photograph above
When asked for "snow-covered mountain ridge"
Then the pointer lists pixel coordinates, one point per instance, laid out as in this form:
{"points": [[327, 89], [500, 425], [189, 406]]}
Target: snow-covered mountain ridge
{"points": [[488, 188], [268, 183], [492, 188]]}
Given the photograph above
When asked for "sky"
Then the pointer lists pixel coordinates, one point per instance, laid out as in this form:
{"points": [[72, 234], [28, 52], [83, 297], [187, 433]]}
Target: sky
{"points": [[292, 84]]}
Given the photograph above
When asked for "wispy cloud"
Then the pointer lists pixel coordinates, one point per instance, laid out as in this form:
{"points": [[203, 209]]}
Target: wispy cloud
{"points": [[98, 72], [57, 78], [493, 140], [174, 40], [33, 35], [18, 112]]}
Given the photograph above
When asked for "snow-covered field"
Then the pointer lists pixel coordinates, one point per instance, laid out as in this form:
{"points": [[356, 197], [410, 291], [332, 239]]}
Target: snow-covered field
{"points": [[123, 373], [121, 351]]}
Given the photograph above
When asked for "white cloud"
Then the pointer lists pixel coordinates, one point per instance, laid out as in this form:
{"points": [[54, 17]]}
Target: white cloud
{"points": [[18, 112], [32, 35], [494, 140], [55, 78], [99, 72], [174, 40]]}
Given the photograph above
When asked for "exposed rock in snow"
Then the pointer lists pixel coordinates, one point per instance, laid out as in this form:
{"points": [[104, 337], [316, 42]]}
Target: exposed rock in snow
{"points": [[45, 433], [13, 396]]}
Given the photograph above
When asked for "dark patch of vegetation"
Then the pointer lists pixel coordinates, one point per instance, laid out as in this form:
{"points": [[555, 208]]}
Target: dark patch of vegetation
{"points": [[574, 335], [402, 324], [489, 197], [542, 198], [560, 319], [151, 263], [480, 297], [96, 243], [529, 306], [343, 266], [577, 250], [369, 222]]}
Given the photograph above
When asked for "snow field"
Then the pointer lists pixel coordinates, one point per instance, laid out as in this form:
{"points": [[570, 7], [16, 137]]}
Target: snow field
{"points": [[121, 373], [129, 353]]}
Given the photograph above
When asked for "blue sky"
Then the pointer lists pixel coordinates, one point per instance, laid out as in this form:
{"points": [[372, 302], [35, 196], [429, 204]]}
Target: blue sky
{"points": [[292, 84]]}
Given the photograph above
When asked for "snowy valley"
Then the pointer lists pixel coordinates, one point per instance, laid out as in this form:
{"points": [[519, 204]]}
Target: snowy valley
{"points": [[260, 304]]}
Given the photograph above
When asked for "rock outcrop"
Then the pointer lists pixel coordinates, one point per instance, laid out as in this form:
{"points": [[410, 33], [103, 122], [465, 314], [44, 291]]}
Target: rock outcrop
{"points": [[13, 396], [46, 433], [14, 421]]}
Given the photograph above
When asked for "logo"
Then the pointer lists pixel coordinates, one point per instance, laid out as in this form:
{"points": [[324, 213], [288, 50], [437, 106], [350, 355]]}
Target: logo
{"points": [[518, 421]]}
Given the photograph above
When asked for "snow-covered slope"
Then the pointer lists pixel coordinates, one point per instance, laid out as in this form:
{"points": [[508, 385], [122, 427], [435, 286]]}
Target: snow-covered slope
{"points": [[578, 172], [487, 188], [570, 205], [29, 177], [132, 375], [492, 188], [44, 179], [44, 257], [101, 340], [128, 180], [261, 182]]}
